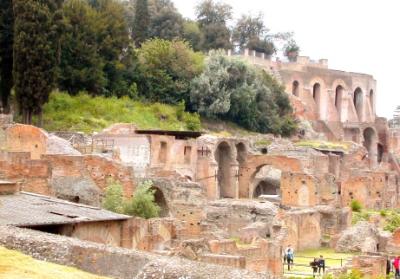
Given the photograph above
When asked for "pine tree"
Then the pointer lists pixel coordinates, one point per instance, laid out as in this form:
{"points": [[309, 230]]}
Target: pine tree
{"points": [[6, 51], [35, 55], [140, 28]]}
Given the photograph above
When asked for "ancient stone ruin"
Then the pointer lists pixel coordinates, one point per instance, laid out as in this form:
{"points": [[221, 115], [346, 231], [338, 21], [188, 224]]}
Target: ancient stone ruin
{"points": [[232, 204]]}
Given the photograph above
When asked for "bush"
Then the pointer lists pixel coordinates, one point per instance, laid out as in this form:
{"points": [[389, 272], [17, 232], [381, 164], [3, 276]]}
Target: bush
{"points": [[192, 121], [143, 203], [392, 222], [113, 198], [356, 206]]}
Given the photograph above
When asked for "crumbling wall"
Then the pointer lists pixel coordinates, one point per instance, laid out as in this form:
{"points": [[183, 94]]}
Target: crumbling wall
{"points": [[31, 175], [26, 138], [110, 261], [84, 178]]}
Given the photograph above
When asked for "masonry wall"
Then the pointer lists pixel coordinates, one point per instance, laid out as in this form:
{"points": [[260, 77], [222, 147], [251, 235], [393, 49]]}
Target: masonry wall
{"points": [[110, 261], [31, 175]]}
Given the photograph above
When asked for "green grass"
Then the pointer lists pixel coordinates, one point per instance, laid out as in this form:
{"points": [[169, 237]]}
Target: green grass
{"points": [[332, 259], [89, 114], [15, 265], [343, 146]]}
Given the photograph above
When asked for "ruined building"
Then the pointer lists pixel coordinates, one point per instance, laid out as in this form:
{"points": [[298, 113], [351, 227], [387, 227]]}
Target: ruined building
{"points": [[231, 201]]}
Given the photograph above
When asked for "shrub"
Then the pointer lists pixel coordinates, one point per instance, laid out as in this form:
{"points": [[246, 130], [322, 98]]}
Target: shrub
{"points": [[113, 199], [356, 206], [392, 222], [192, 121], [143, 204]]}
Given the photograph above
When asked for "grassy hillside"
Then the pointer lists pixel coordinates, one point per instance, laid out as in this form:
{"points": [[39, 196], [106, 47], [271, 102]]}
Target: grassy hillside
{"points": [[15, 265], [89, 114]]}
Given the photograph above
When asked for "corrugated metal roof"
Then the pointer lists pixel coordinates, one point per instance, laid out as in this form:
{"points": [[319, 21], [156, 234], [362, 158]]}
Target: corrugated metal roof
{"points": [[28, 209]]}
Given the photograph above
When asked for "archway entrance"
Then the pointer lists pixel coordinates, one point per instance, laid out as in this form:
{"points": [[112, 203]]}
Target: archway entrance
{"points": [[161, 202], [338, 100], [369, 141], [371, 100], [380, 152], [358, 102], [223, 156], [317, 96], [266, 181], [295, 88]]}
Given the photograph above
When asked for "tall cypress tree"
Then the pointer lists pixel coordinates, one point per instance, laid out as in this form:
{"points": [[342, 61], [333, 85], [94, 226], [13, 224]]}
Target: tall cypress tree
{"points": [[141, 22], [6, 51], [35, 55]]}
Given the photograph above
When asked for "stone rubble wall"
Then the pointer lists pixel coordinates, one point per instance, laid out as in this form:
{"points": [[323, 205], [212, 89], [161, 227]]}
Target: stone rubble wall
{"points": [[110, 261]]}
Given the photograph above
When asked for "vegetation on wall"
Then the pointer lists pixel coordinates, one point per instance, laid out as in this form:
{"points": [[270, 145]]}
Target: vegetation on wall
{"points": [[142, 204]]}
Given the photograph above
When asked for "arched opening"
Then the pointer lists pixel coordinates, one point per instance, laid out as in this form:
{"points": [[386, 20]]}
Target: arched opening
{"points": [[223, 157], [380, 152], [295, 88], [338, 100], [358, 102], [161, 202], [317, 95], [369, 139], [241, 153], [266, 181], [371, 100]]}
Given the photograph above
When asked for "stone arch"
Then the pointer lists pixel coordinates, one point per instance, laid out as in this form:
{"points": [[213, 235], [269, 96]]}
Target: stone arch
{"points": [[380, 151], [318, 97], [370, 143], [339, 94], [265, 180], [160, 200], [241, 153], [371, 100], [358, 103], [296, 88], [223, 156]]}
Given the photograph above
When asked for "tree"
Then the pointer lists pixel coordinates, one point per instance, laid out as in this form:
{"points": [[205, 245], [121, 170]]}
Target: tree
{"points": [[81, 65], [35, 56], [231, 89], [250, 32], [212, 18], [167, 69], [165, 20], [141, 22], [6, 51], [192, 34], [113, 197], [113, 44], [291, 50], [143, 202]]}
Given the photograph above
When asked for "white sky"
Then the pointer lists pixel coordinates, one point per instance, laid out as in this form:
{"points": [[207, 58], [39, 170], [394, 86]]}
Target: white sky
{"points": [[354, 35]]}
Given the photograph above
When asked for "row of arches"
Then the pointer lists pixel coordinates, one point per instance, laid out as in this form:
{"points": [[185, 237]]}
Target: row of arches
{"points": [[358, 100]]}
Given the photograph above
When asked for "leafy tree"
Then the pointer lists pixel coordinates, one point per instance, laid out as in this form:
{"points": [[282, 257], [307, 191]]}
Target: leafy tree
{"points": [[81, 65], [6, 51], [143, 202], [113, 42], [168, 68], [250, 32], [291, 50], [165, 20], [35, 56], [212, 18], [192, 34], [233, 90], [141, 22], [113, 198]]}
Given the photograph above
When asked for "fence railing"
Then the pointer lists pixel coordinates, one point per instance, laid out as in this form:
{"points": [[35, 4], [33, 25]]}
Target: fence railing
{"points": [[301, 266]]}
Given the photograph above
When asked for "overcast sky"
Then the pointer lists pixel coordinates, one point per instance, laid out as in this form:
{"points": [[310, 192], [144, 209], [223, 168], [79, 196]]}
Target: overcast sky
{"points": [[354, 35]]}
